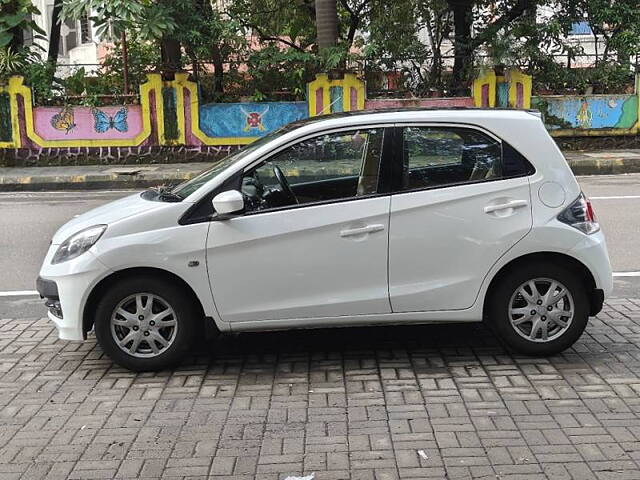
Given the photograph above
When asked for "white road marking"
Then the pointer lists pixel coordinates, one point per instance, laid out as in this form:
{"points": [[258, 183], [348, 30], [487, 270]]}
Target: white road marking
{"points": [[616, 197], [626, 274], [19, 293]]}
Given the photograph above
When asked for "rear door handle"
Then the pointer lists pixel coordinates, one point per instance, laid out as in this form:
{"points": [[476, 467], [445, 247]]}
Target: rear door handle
{"points": [[351, 232], [504, 206]]}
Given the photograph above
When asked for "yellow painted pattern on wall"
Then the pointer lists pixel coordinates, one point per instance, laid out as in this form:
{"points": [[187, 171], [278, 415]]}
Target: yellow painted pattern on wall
{"points": [[17, 87], [13, 88], [349, 82], [515, 77], [488, 78]]}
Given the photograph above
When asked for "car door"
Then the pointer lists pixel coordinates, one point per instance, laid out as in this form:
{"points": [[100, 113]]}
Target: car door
{"points": [[461, 200], [324, 254]]}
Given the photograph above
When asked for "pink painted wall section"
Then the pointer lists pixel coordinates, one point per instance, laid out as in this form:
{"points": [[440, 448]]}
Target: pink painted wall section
{"points": [[87, 123], [382, 103]]}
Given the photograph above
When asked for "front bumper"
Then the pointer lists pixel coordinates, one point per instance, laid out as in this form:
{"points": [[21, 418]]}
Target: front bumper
{"points": [[596, 302], [48, 290], [66, 288]]}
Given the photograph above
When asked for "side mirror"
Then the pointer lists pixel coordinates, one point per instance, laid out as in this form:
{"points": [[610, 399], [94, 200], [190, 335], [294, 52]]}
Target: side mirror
{"points": [[227, 203]]}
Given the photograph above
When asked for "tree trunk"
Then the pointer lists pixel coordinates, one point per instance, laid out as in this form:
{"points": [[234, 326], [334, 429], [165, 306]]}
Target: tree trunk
{"points": [[54, 37], [218, 69], [171, 55], [17, 40], [462, 19], [327, 23]]}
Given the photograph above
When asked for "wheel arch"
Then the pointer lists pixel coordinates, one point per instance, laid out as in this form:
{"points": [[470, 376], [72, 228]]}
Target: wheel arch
{"points": [[97, 291], [557, 258]]}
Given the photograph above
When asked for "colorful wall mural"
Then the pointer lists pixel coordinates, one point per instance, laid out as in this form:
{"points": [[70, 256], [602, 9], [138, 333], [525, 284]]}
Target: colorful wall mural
{"points": [[248, 120], [591, 112], [88, 123], [383, 103], [333, 95], [170, 114]]}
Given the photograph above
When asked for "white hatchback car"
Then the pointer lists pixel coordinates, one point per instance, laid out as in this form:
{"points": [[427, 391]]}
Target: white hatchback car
{"points": [[369, 218]]}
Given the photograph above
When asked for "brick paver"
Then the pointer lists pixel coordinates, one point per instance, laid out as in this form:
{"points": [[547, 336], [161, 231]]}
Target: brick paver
{"points": [[380, 403]]}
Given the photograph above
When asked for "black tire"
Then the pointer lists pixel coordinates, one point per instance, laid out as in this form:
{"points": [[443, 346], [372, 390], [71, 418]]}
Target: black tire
{"points": [[498, 316], [187, 318]]}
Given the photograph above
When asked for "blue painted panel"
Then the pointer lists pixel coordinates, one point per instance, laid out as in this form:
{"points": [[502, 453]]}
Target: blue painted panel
{"points": [[502, 95], [248, 119], [335, 95], [607, 111]]}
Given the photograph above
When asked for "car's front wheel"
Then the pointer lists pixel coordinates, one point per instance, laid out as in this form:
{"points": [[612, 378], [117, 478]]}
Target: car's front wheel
{"points": [[146, 323], [539, 309]]}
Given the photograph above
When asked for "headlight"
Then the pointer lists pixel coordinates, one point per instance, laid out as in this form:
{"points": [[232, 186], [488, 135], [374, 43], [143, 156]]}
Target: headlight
{"points": [[77, 244]]}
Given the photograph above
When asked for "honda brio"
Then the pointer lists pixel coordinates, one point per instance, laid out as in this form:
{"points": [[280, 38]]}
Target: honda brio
{"points": [[368, 218]]}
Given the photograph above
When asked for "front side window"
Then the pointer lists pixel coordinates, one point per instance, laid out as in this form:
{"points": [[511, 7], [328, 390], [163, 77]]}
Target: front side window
{"points": [[334, 166], [441, 156]]}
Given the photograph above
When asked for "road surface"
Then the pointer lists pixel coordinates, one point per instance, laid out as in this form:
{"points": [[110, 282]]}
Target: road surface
{"points": [[30, 219]]}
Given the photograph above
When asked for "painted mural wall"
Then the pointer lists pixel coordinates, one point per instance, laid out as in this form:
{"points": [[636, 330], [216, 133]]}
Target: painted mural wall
{"points": [[240, 120], [383, 103], [88, 123], [591, 112]]}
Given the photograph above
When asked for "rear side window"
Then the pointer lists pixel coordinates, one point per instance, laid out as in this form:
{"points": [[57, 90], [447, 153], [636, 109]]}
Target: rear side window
{"points": [[513, 162], [444, 156]]}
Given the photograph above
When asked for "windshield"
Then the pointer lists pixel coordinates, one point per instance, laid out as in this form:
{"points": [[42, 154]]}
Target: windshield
{"points": [[187, 188]]}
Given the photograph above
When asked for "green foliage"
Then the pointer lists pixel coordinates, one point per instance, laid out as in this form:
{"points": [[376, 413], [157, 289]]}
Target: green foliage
{"points": [[617, 22], [45, 87], [280, 74], [609, 77], [113, 17], [12, 62], [15, 17]]}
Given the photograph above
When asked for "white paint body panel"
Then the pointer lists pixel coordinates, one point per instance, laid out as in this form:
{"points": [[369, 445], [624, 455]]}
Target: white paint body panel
{"points": [[442, 242], [297, 268], [298, 263]]}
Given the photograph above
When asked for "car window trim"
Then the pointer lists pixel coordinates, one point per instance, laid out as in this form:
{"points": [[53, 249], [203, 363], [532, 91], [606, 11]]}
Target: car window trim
{"points": [[267, 156], [386, 143], [314, 204], [400, 126]]}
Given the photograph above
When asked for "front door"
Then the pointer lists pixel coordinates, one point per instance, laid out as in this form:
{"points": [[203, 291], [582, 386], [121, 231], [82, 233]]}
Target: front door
{"points": [[313, 241], [459, 204]]}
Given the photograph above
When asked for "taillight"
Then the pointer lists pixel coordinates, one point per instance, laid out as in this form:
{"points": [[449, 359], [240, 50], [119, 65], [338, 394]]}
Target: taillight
{"points": [[580, 215]]}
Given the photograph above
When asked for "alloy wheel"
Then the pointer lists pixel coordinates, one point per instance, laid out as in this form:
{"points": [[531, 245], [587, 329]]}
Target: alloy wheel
{"points": [[541, 310], [144, 325]]}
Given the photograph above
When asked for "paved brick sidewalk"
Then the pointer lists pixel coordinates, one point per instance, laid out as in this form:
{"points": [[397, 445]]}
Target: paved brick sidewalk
{"points": [[356, 403]]}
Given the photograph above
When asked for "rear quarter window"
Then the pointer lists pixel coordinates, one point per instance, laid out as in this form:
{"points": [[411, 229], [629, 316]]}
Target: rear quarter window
{"points": [[514, 164]]}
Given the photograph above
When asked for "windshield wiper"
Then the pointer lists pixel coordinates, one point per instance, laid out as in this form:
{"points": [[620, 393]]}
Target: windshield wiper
{"points": [[164, 194]]}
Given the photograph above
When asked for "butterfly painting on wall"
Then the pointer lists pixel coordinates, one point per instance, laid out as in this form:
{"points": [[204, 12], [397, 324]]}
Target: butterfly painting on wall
{"points": [[104, 122], [63, 120]]}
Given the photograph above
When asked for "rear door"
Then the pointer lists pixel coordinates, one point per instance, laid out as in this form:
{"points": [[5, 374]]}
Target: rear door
{"points": [[460, 200]]}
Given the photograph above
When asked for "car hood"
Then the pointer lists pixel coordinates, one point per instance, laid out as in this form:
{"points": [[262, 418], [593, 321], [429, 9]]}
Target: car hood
{"points": [[106, 215]]}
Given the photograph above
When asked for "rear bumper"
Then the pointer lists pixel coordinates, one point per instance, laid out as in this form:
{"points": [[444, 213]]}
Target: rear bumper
{"points": [[592, 252]]}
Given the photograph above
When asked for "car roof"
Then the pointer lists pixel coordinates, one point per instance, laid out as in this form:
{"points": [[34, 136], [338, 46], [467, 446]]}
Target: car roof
{"points": [[396, 113]]}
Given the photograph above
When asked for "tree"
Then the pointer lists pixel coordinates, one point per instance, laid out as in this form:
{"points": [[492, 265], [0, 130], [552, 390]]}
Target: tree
{"points": [[15, 19], [54, 34], [327, 23], [615, 22], [465, 14], [152, 21]]}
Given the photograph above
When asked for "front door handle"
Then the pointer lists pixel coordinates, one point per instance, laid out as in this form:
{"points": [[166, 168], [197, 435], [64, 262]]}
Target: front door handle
{"points": [[504, 206], [351, 232]]}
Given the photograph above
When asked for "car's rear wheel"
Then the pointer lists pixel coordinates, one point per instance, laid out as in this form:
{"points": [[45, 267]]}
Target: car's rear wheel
{"points": [[146, 323], [539, 309]]}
